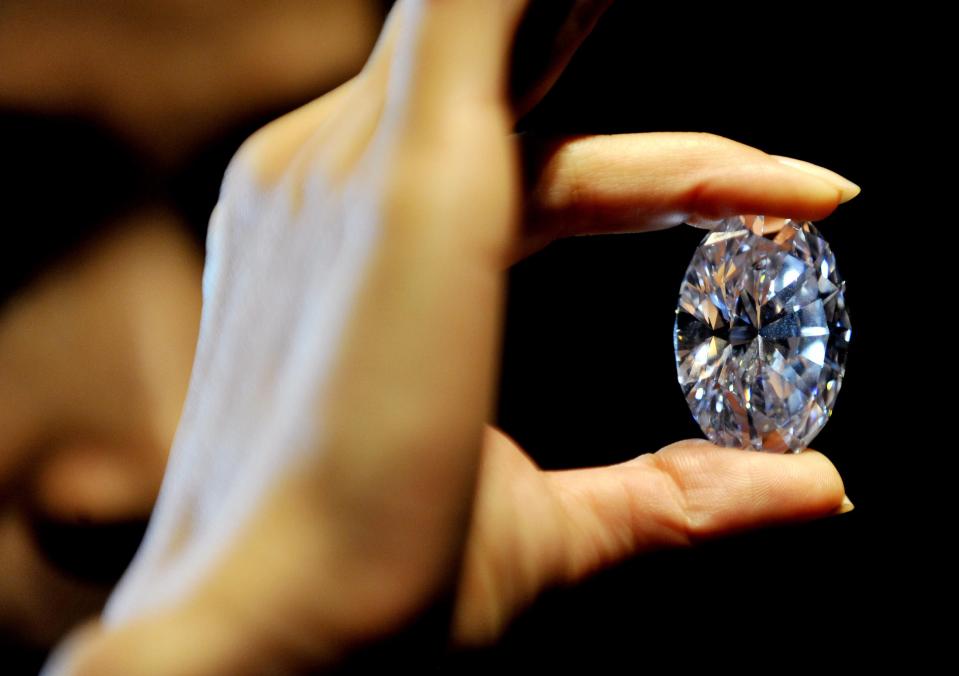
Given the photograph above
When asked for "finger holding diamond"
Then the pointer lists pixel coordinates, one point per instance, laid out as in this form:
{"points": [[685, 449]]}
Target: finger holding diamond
{"points": [[654, 180], [688, 492]]}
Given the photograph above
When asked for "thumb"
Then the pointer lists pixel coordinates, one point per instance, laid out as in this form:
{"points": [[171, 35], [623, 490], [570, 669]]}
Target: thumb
{"points": [[685, 493]]}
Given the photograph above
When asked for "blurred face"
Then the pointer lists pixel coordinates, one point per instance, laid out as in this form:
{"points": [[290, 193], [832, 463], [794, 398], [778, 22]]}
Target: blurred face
{"points": [[168, 73], [95, 353], [94, 362]]}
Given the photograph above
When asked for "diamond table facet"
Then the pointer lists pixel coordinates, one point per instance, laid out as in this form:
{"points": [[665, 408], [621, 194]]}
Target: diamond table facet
{"points": [[761, 333]]}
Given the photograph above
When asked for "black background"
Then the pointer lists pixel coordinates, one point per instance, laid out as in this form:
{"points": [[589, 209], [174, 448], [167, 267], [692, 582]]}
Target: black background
{"points": [[588, 373], [589, 377]]}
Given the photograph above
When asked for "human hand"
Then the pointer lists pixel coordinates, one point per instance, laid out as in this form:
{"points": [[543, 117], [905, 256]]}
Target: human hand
{"points": [[334, 474]]}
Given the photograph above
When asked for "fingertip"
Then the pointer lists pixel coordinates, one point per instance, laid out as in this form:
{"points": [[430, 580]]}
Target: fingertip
{"points": [[783, 190], [849, 194], [819, 459], [829, 486], [779, 485], [847, 188]]}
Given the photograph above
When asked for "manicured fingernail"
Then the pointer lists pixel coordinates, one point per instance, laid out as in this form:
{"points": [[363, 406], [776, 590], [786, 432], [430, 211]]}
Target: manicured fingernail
{"points": [[845, 506], [848, 188]]}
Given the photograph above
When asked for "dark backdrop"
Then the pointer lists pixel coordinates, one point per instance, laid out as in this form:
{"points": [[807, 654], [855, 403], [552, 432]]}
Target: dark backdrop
{"points": [[589, 377], [588, 374]]}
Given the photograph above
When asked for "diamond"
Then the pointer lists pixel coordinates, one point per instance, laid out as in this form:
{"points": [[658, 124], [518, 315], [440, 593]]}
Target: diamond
{"points": [[761, 333]]}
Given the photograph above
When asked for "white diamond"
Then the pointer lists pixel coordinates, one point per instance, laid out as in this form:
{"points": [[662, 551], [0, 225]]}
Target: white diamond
{"points": [[761, 333]]}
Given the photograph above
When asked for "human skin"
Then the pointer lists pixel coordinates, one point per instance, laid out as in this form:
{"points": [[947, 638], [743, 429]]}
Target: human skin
{"points": [[94, 362], [96, 351], [402, 509], [168, 74]]}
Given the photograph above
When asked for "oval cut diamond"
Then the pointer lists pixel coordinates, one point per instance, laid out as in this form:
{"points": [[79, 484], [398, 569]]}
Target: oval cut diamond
{"points": [[761, 333]]}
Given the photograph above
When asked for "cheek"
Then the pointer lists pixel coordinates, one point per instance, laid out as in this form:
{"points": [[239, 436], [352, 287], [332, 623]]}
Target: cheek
{"points": [[96, 484]]}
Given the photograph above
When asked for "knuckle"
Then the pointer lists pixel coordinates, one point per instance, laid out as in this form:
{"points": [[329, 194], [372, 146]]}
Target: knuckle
{"points": [[270, 151], [682, 516], [708, 139], [259, 157], [708, 146], [259, 147], [741, 152]]}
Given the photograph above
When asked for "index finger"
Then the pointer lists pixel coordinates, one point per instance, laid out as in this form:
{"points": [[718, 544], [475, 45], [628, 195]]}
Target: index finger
{"points": [[654, 180]]}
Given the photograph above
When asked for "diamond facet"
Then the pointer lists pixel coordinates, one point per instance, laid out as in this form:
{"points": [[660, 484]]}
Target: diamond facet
{"points": [[761, 333]]}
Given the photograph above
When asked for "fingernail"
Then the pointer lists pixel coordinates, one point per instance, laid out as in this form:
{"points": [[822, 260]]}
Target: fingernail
{"points": [[848, 188], [845, 506]]}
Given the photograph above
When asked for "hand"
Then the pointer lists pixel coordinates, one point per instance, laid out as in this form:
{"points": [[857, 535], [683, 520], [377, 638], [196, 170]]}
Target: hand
{"points": [[333, 474]]}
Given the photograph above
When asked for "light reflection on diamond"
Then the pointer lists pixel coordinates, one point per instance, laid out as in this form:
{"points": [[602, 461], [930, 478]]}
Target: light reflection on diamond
{"points": [[761, 334]]}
